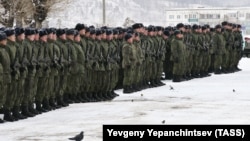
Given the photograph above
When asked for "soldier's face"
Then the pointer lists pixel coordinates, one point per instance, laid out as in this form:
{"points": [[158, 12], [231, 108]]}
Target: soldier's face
{"points": [[82, 32], [3, 42], [12, 38], [44, 38], [21, 37], [31, 37], [78, 38], [63, 37]]}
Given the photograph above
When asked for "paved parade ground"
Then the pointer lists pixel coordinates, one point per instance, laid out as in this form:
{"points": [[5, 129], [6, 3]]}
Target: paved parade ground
{"points": [[219, 99]]}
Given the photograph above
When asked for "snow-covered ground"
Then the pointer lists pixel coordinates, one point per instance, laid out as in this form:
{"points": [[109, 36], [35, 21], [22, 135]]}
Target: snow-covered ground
{"points": [[208, 100]]}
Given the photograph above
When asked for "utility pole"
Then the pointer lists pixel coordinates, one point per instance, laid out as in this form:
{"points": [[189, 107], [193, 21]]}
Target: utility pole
{"points": [[103, 12]]}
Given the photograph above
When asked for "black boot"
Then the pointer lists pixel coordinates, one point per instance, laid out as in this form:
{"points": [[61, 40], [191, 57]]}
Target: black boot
{"points": [[33, 110], [85, 97], [61, 102], [127, 89], [7, 116], [53, 104], [160, 83], [40, 108], [26, 112], [217, 71], [176, 78], [79, 97], [16, 113], [46, 105], [67, 98]]}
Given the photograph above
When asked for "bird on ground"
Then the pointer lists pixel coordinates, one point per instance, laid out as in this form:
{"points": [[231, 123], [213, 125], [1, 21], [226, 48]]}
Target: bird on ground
{"points": [[78, 137], [141, 94], [163, 122], [171, 88], [233, 90]]}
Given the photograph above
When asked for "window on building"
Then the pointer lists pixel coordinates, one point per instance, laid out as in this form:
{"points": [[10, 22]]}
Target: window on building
{"points": [[232, 15], [178, 16], [186, 16], [241, 15], [202, 16], [248, 16], [171, 16], [194, 16], [217, 16]]}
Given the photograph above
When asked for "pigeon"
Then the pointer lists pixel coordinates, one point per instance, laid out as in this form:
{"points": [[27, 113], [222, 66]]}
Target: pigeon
{"points": [[233, 90], [163, 122], [171, 88], [132, 100], [141, 94], [78, 137]]}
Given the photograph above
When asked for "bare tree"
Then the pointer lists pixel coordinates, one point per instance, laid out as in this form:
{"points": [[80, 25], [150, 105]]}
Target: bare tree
{"points": [[24, 12]]}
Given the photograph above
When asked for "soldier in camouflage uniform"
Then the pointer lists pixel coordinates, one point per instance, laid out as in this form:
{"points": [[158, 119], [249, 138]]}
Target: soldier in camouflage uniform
{"points": [[29, 60], [43, 72], [23, 72], [5, 76], [12, 88], [62, 98], [177, 55], [54, 55], [219, 49], [128, 63], [79, 65], [238, 47]]}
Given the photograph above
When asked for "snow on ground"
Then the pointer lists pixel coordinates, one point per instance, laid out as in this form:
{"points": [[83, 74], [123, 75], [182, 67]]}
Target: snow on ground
{"points": [[208, 100]]}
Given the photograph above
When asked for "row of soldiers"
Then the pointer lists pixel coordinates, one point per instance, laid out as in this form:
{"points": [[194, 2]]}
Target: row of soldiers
{"points": [[200, 50], [45, 69]]}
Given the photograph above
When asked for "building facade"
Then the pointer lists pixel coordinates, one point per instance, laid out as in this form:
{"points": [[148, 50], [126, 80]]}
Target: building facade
{"points": [[211, 16]]}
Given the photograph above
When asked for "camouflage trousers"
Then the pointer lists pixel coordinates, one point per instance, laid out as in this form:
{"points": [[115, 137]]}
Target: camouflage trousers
{"points": [[11, 94], [20, 91], [217, 61], [3, 93], [128, 76]]}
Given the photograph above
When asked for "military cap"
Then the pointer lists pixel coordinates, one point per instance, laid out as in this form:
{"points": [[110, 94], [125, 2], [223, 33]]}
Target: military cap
{"points": [[42, 32], [79, 26], [179, 25], [224, 23], [87, 29], [70, 31], [92, 27], [60, 32], [130, 31], [166, 32], [76, 33], [115, 31], [3, 35], [207, 25], [159, 28], [136, 26], [9, 32], [229, 24], [203, 27], [19, 31], [169, 28], [98, 32], [2, 28], [30, 31], [176, 32], [92, 31], [128, 36], [109, 32], [151, 28], [234, 25], [212, 29], [238, 26], [217, 26], [195, 26], [50, 30]]}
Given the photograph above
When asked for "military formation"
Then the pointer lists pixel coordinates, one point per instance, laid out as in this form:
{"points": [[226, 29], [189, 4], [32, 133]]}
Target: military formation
{"points": [[46, 69]]}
